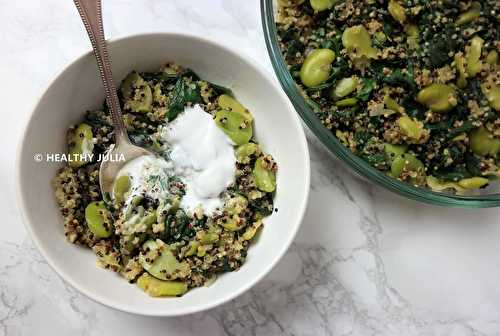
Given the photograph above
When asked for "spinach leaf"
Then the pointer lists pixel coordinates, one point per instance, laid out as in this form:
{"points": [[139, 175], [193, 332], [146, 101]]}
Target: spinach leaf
{"points": [[472, 164], [440, 48], [376, 159], [368, 86], [94, 119], [455, 174], [387, 29], [294, 47], [466, 127], [177, 226], [140, 138], [334, 43], [194, 96], [288, 34], [398, 78], [295, 71], [319, 87], [219, 90], [191, 74], [339, 70], [181, 95], [361, 138], [413, 109], [442, 126], [446, 128], [263, 205], [192, 93], [160, 76]]}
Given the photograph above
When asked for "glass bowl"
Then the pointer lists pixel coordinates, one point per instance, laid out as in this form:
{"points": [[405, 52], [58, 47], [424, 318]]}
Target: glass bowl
{"points": [[489, 197]]}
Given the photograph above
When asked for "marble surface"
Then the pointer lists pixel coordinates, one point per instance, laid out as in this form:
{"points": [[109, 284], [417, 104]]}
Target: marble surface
{"points": [[365, 262]]}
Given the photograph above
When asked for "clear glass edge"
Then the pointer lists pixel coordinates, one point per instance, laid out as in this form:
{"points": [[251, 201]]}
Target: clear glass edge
{"points": [[361, 167]]}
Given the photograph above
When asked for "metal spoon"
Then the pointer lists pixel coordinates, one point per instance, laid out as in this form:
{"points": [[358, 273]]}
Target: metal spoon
{"points": [[91, 15]]}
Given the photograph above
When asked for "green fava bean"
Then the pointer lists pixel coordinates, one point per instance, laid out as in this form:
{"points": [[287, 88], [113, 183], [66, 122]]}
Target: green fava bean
{"points": [[393, 151], [236, 205], [346, 102], [492, 93], [392, 104], [317, 66], [462, 72], [159, 261], [483, 143], [473, 182], [120, 187], [193, 248], [228, 103], [492, 58], [81, 146], [397, 11], [156, 288], [345, 87], [137, 93], [437, 185], [358, 42], [410, 127], [252, 230], [209, 238], [412, 36], [474, 64], [469, 16], [407, 163], [99, 219], [236, 126], [438, 97], [244, 152], [233, 224], [149, 218], [321, 5], [265, 177], [380, 37]]}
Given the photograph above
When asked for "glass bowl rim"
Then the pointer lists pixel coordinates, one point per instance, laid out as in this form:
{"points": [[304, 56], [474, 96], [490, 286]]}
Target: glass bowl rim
{"points": [[327, 138]]}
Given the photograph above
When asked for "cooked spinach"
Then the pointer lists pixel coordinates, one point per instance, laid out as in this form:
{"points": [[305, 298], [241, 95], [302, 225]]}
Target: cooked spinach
{"points": [[368, 85], [441, 48], [452, 174], [398, 78], [182, 94]]}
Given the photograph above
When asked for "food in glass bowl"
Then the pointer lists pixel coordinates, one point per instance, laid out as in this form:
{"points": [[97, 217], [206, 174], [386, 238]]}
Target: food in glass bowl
{"points": [[411, 87], [176, 220]]}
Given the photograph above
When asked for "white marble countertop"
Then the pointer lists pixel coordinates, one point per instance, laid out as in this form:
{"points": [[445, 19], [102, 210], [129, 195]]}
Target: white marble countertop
{"points": [[365, 262]]}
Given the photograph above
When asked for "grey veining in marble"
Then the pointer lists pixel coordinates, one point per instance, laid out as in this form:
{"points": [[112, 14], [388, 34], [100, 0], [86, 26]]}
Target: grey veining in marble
{"points": [[365, 262]]}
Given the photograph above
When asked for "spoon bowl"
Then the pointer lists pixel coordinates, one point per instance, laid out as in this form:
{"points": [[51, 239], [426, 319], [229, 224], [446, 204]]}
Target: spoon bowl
{"points": [[109, 169]]}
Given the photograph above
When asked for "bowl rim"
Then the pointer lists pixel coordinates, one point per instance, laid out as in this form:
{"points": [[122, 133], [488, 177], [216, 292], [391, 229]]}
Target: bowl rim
{"points": [[327, 138], [27, 218]]}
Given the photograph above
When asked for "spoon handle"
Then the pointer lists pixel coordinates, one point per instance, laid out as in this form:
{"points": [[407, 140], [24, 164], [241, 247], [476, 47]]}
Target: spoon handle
{"points": [[91, 15]]}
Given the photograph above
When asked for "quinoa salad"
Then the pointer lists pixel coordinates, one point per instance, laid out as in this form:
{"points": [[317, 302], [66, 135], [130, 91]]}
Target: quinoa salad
{"points": [[412, 87], [180, 218]]}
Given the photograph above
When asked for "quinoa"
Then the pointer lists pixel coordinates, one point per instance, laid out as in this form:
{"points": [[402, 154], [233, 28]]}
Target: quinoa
{"points": [[166, 245], [411, 54]]}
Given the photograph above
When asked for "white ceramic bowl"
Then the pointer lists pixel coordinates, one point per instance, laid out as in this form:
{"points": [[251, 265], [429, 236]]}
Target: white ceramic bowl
{"points": [[78, 88]]}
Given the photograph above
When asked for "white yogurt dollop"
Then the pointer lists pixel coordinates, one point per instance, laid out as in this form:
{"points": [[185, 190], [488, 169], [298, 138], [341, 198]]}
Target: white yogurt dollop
{"points": [[202, 156]]}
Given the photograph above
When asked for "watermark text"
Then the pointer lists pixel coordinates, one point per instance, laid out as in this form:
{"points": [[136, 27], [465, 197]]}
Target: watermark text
{"points": [[74, 157]]}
